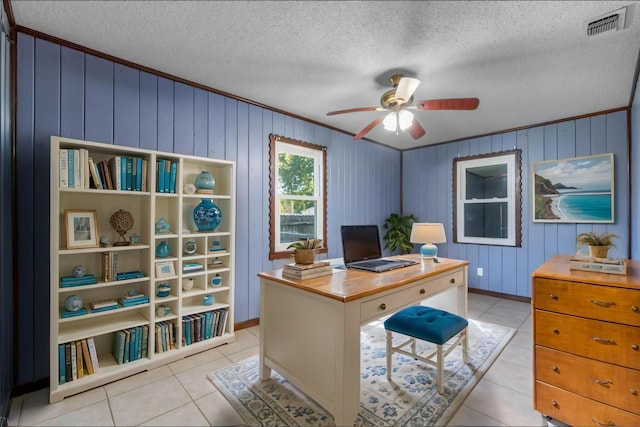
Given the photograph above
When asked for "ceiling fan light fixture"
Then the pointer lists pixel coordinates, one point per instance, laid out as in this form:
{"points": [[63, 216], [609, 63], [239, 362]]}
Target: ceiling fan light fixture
{"points": [[401, 119]]}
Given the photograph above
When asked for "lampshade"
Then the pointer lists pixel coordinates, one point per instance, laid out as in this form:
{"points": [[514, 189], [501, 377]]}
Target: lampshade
{"points": [[428, 233], [403, 117]]}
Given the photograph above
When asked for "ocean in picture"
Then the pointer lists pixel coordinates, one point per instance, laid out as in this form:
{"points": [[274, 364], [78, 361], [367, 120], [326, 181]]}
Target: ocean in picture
{"points": [[581, 205]]}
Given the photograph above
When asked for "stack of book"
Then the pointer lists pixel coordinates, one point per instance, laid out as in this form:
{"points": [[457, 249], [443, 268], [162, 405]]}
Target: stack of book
{"points": [[103, 305], [191, 267], [79, 170], [584, 262], [68, 281], [130, 344], [109, 266], [129, 300], [77, 359], [129, 275], [307, 271]]}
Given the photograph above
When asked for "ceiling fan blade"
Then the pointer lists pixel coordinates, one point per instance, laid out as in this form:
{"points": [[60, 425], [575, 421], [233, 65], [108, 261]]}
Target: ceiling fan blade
{"points": [[405, 89], [355, 110], [447, 104], [370, 126], [416, 130]]}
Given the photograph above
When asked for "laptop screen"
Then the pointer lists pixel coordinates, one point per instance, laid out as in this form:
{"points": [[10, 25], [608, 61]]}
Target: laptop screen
{"points": [[360, 242]]}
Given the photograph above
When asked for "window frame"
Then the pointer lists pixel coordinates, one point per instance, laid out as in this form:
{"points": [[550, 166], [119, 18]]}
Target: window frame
{"points": [[278, 250], [514, 197]]}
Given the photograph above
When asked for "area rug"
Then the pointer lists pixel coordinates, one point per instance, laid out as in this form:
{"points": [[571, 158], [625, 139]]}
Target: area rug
{"points": [[411, 398]]}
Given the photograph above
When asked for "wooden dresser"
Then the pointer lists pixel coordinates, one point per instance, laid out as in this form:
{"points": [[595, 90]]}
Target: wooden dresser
{"points": [[586, 331]]}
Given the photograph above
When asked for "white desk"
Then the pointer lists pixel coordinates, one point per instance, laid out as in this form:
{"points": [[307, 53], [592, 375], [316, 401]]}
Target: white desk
{"points": [[310, 329]]}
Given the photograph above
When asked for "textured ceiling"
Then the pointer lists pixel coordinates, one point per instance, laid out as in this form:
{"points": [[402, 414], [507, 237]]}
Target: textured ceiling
{"points": [[527, 61]]}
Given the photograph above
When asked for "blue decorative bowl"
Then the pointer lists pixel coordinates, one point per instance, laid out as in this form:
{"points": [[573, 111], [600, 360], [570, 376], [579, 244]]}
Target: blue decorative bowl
{"points": [[73, 303], [78, 271], [163, 290], [208, 300]]}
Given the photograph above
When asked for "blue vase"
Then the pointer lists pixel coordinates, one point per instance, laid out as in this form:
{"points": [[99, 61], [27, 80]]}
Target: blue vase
{"points": [[162, 250], [204, 182], [207, 215]]}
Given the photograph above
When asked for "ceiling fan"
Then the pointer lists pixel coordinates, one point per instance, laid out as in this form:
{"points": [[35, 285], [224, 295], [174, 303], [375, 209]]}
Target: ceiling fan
{"points": [[399, 100]]}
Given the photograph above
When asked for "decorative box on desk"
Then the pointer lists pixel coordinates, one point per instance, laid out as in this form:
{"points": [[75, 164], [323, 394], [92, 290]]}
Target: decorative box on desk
{"points": [[582, 261]]}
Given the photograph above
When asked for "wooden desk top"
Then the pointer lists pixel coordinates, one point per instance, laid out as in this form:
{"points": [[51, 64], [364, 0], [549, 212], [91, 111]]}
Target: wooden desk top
{"points": [[557, 267], [349, 285]]}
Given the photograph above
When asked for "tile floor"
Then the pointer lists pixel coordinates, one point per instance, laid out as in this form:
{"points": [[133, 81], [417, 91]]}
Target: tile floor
{"points": [[181, 394]]}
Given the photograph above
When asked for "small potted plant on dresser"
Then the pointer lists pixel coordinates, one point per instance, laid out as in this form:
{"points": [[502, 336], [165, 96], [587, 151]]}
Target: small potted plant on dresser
{"points": [[598, 244], [305, 250]]}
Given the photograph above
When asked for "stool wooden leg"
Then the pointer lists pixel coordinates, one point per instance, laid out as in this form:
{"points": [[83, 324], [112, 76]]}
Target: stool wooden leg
{"points": [[389, 354], [465, 347], [440, 368]]}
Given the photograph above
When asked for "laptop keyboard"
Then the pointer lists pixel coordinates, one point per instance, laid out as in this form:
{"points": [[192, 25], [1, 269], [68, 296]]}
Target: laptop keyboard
{"points": [[374, 263]]}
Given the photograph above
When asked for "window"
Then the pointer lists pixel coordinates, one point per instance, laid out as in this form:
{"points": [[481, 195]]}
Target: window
{"points": [[298, 194], [487, 207]]}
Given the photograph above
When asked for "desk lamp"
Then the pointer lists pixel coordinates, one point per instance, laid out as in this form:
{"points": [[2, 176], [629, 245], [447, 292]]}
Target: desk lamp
{"points": [[428, 233]]}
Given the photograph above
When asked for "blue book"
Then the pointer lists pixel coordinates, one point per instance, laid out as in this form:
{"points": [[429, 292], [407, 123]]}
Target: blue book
{"points": [[118, 346], [70, 163], [187, 334], [77, 279], [132, 344], [139, 174], [160, 166], [129, 173], [207, 326], [62, 376], [127, 344], [127, 303], [65, 314], [172, 178], [163, 326], [123, 173], [139, 342], [101, 309], [167, 175]]}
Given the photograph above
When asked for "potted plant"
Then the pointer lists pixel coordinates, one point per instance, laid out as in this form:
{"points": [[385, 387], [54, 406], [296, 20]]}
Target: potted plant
{"points": [[598, 244], [398, 233], [305, 250]]}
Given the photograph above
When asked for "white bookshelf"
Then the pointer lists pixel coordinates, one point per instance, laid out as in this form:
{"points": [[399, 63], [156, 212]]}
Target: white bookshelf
{"points": [[147, 207]]}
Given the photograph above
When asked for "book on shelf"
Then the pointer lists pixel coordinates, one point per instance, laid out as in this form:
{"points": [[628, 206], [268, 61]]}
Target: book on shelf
{"points": [[86, 356], [109, 266], [67, 282], [131, 302], [172, 177], [129, 275], [62, 378], [85, 168], [115, 167], [63, 169], [79, 361], [127, 345], [104, 303], [74, 361], [301, 267], [139, 174], [67, 363], [64, 314], [118, 346], [145, 340], [143, 184], [94, 176], [584, 262], [93, 354], [191, 267]]}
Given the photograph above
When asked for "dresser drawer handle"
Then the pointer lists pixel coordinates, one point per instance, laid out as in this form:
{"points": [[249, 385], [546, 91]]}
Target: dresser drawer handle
{"points": [[601, 382], [554, 403], [422, 292], [556, 331], [600, 423], [634, 347], [602, 303], [635, 309], [603, 341], [555, 369], [453, 280], [633, 391], [383, 306], [554, 296]]}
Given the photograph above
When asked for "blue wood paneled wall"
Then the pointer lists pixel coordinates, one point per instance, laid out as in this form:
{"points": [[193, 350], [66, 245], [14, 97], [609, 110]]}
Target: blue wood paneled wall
{"points": [[6, 226], [428, 194], [65, 92], [635, 173]]}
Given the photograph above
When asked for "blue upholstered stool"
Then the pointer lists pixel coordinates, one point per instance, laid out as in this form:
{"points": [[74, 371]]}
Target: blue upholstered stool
{"points": [[427, 324]]}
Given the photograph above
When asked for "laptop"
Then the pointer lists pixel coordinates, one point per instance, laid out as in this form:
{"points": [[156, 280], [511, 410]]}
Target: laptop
{"points": [[361, 250]]}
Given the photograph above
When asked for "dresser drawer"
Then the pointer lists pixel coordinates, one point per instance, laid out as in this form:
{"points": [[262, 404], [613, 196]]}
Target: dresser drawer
{"points": [[592, 301], [608, 342], [404, 296], [610, 384], [576, 410]]}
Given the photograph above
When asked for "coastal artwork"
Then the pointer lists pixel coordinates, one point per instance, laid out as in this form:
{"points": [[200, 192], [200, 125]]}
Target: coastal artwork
{"points": [[579, 189]]}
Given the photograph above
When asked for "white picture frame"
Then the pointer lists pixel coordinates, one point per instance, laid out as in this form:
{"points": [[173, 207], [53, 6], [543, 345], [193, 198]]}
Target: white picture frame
{"points": [[80, 228], [165, 269]]}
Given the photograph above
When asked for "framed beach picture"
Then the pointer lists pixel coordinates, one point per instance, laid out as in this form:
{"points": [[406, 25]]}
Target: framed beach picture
{"points": [[81, 229], [165, 269], [578, 189]]}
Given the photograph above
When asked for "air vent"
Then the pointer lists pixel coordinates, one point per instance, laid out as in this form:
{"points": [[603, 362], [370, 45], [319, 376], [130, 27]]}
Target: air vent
{"points": [[612, 21]]}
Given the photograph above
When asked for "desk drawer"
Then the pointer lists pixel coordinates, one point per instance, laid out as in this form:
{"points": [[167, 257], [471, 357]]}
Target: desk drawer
{"points": [[608, 342], [611, 384], [403, 296], [592, 301], [576, 410]]}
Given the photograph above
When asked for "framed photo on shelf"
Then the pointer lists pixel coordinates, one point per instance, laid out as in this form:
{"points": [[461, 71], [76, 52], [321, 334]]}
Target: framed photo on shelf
{"points": [[165, 269], [81, 228]]}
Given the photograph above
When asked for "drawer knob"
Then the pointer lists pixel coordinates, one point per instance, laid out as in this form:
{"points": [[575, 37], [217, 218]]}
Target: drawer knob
{"points": [[635, 309], [600, 423], [554, 403], [556, 331], [605, 383], [602, 303], [554, 296], [422, 292], [383, 306], [453, 280], [555, 369], [633, 391], [634, 347], [605, 341]]}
